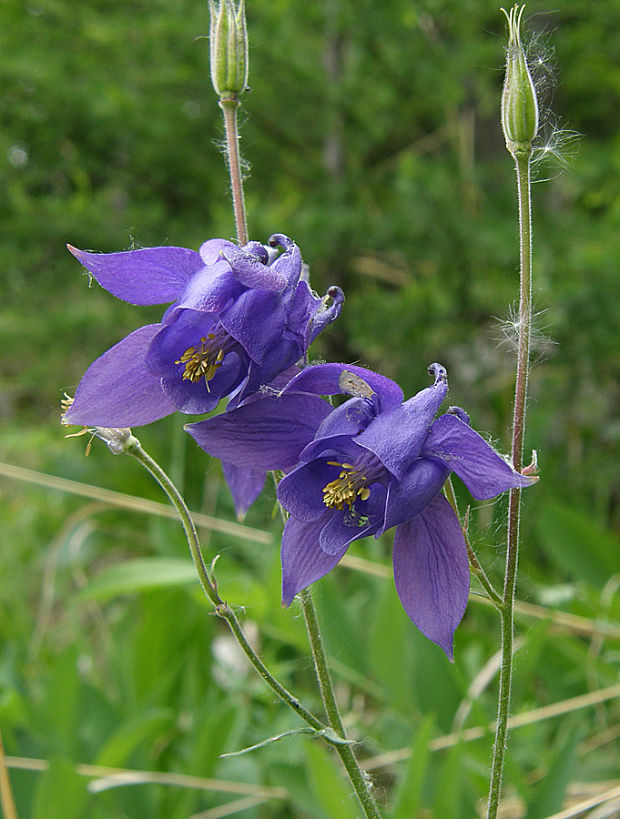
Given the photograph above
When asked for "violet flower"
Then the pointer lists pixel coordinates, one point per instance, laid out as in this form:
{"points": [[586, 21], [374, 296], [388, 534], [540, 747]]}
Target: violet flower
{"points": [[240, 316], [373, 463]]}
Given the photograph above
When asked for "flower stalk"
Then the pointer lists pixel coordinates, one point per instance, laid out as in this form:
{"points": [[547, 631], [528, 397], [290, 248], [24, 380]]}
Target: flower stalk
{"points": [[522, 160], [229, 108], [359, 780], [222, 609], [474, 563], [228, 53]]}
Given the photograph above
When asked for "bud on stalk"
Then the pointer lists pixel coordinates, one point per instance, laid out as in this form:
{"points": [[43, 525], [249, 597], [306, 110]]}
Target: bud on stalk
{"points": [[228, 41], [519, 102]]}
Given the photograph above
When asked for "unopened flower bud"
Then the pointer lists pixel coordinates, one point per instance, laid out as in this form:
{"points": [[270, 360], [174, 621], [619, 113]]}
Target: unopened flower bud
{"points": [[519, 103], [228, 48]]}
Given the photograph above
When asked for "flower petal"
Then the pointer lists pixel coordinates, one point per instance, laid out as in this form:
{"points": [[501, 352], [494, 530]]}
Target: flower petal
{"points": [[211, 250], [339, 428], [327, 311], [484, 472], [152, 275], [288, 264], [245, 486], [303, 560], [209, 290], [278, 359], [250, 271], [268, 433], [199, 397], [257, 320], [431, 572], [411, 495], [342, 528], [396, 437], [324, 379], [301, 491], [118, 390]]}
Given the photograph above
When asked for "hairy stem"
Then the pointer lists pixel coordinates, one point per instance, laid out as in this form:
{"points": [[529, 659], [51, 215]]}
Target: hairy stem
{"points": [[229, 108], [358, 778], [522, 166], [222, 609]]}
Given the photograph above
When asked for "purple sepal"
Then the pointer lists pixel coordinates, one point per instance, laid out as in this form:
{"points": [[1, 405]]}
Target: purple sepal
{"points": [[465, 452], [245, 486], [152, 275], [431, 572], [118, 390], [325, 379], [265, 434], [303, 560]]}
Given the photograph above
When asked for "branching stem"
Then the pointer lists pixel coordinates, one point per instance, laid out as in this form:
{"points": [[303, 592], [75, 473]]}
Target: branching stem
{"points": [[222, 609]]}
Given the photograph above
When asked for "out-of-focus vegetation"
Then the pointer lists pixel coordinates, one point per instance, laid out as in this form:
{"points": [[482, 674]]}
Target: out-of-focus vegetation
{"points": [[373, 135]]}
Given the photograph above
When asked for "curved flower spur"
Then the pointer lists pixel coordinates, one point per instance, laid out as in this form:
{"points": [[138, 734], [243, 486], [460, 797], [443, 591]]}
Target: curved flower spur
{"points": [[240, 316], [373, 463]]}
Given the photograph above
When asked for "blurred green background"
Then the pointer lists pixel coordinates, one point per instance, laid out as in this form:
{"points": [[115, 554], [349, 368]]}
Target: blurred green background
{"points": [[373, 138]]}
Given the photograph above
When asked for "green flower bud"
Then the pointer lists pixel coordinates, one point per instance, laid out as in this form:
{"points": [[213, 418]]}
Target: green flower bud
{"points": [[228, 41], [519, 103]]}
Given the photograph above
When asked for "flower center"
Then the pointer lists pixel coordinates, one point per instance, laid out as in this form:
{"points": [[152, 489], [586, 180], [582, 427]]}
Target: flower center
{"points": [[342, 492], [204, 361]]}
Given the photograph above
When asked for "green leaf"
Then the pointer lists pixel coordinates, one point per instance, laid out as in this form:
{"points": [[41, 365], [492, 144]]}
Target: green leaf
{"points": [[389, 649], [140, 575], [271, 740], [550, 792], [123, 742], [577, 543], [409, 789], [61, 792], [336, 799]]}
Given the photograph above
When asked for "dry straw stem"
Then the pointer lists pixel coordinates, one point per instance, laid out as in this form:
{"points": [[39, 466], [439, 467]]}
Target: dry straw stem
{"points": [[572, 623], [105, 778], [6, 793], [594, 801], [132, 502], [229, 808], [556, 709]]}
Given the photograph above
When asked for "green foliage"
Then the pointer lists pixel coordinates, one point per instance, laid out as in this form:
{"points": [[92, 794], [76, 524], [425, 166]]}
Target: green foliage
{"points": [[380, 151]]}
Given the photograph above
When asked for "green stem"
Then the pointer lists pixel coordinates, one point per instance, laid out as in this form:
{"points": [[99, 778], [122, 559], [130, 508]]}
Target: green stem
{"points": [[475, 564], [522, 165], [358, 778], [209, 586], [229, 108]]}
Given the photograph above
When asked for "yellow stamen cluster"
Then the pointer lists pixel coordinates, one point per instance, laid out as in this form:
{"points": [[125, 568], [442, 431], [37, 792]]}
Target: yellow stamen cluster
{"points": [[344, 490], [203, 362]]}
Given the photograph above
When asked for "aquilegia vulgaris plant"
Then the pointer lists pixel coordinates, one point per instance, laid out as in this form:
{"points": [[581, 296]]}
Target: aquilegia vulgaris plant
{"points": [[351, 457], [373, 463], [240, 317]]}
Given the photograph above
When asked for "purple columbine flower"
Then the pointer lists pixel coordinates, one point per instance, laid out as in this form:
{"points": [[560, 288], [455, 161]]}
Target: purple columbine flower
{"points": [[373, 463], [240, 316]]}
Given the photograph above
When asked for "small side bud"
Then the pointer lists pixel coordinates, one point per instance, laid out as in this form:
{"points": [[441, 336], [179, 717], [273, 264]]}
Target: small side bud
{"points": [[519, 102], [228, 46]]}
